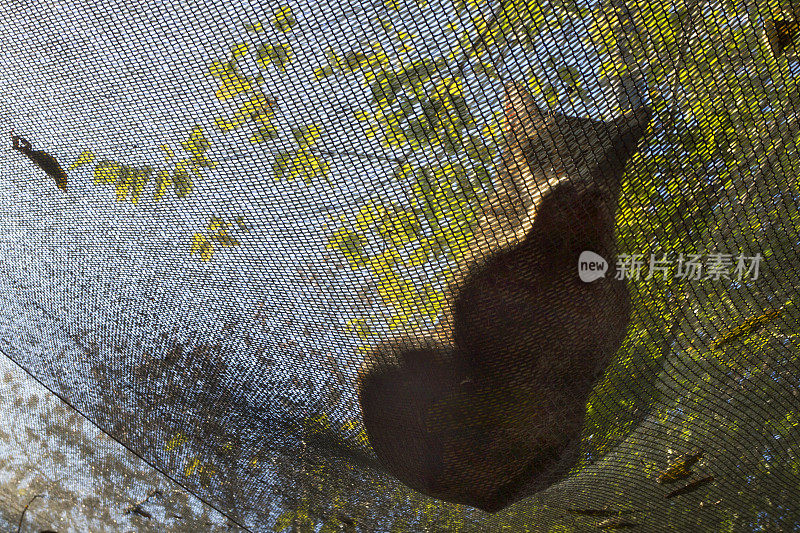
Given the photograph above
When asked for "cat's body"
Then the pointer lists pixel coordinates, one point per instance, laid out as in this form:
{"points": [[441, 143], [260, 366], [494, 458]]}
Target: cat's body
{"points": [[496, 412]]}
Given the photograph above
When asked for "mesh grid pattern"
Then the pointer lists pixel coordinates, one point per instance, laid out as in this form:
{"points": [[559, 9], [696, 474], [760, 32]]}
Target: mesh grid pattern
{"points": [[314, 267]]}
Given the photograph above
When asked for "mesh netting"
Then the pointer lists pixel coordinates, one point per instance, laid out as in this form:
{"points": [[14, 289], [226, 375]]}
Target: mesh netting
{"points": [[401, 265]]}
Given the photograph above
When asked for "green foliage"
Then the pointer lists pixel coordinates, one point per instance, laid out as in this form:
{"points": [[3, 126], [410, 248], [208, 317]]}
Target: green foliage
{"points": [[415, 110], [258, 109], [419, 107], [410, 237], [274, 54], [129, 182], [370, 57], [231, 80], [714, 132], [218, 234], [720, 104], [284, 19], [306, 136], [295, 520], [712, 137], [350, 244], [301, 163]]}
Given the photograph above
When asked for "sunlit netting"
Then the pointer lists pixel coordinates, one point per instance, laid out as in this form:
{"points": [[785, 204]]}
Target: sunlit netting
{"points": [[313, 267]]}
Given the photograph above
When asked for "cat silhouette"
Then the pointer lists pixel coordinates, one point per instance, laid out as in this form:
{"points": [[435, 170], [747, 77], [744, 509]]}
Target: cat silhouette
{"points": [[491, 411]]}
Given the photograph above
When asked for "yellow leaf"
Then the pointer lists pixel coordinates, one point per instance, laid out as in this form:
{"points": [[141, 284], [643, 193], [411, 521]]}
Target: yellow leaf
{"points": [[387, 25], [449, 87], [258, 109], [197, 143], [207, 252], [223, 238], [306, 165], [107, 172], [181, 179], [203, 161], [177, 440], [162, 182], [360, 327], [140, 177], [350, 244], [280, 54], [239, 50], [254, 28], [215, 223], [231, 85], [191, 468], [308, 135], [202, 246], [170, 155], [284, 20], [124, 181], [323, 72], [228, 125], [85, 157], [418, 257], [218, 68]]}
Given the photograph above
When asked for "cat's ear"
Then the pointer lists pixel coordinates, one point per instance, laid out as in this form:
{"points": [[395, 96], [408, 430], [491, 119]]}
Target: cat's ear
{"points": [[624, 134], [542, 145], [523, 121], [523, 118]]}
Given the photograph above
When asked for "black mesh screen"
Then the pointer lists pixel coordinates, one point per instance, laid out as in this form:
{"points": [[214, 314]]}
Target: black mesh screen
{"points": [[401, 265]]}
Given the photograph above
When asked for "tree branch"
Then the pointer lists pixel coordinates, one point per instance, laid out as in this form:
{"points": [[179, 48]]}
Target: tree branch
{"points": [[22, 516]]}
